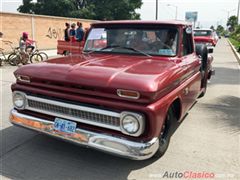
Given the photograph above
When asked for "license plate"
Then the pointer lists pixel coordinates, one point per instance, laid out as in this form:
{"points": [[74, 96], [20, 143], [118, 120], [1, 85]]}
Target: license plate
{"points": [[64, 125]]}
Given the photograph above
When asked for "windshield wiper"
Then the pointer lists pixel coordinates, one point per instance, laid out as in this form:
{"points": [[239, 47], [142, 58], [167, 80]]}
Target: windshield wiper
{"points": [[107, 47], [124, 47]]}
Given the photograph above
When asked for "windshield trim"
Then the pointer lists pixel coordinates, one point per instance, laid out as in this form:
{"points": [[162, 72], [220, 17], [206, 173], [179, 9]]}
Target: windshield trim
{"points": [[125, 53], [136, 26]]}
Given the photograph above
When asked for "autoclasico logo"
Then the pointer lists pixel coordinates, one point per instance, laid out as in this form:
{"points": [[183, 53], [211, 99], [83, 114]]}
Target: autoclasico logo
{"points": [[185, 175]]}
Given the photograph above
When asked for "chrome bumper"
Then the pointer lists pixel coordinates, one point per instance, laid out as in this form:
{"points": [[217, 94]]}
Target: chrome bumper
{"points": [[107, 143]]}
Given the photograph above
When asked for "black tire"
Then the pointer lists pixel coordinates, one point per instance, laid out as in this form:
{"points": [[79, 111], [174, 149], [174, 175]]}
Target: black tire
{"points": [[66, 53], [44, 56], [14, 59], [35, 58], [166, 132], [202, 51]]}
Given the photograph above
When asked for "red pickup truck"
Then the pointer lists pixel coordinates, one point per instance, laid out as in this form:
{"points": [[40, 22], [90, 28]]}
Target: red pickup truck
{"points": [[68, 47], [125, 94], [206, 36]]}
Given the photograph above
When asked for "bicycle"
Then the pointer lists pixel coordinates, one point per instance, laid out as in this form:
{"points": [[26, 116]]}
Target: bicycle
{"points": [[38, 56], [18, 56], [11, 57]]}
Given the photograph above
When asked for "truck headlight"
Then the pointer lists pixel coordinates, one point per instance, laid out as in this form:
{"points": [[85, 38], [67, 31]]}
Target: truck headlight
{"points": [[132, 123], [19, 100]]}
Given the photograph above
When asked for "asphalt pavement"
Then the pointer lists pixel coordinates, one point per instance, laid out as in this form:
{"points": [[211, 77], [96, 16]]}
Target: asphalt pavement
{"points": [[208, 140]]}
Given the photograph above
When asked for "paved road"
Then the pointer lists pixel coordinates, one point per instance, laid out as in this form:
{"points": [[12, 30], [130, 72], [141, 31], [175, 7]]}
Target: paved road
{"points": [[207, 141]]}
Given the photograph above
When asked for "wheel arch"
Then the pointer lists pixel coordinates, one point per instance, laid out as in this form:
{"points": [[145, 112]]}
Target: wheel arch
{"points": [[177, 107]]}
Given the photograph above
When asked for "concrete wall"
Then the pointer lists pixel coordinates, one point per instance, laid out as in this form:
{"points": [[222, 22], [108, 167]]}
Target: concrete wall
{"points": [[46, 30]]}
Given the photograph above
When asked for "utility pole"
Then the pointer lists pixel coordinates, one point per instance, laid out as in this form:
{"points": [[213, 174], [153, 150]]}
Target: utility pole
{"points": [[156, 9], [238, 11], [176, 9], [228, 13]]}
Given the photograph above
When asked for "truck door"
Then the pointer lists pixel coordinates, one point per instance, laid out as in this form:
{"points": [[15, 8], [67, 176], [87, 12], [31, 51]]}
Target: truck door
{"points": [[191, 65]]}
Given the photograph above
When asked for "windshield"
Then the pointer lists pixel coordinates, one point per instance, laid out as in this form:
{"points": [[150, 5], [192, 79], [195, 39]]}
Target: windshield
{"points": [[202, 33], [160, 41]]}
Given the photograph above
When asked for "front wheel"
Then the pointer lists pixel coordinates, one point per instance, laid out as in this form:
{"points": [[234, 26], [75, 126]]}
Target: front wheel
{"points": [[166, 132], [36, 58], [44, 56]]}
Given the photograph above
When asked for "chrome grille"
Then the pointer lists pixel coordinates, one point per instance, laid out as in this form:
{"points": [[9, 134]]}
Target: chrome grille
{"points": [[97, 117]]}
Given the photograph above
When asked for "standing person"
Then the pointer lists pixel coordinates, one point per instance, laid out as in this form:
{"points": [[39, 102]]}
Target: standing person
{"points": [[79, 32], [1, 35], [66, 32], [72, 32]]}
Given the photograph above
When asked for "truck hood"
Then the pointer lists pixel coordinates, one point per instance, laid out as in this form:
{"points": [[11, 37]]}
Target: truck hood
{"points": [[139, 73]]}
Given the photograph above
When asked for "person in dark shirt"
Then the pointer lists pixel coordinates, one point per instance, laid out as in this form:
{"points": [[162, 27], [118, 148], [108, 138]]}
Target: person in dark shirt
{"points": [[66, 32], [79, 32], [72, 32]]}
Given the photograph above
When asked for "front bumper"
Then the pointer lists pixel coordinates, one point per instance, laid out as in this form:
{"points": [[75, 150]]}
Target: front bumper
{"points": [[107, 143]]}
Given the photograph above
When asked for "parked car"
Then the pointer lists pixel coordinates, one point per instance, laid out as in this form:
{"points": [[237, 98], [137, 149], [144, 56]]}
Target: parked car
{"points": [[227, 35], [206, 36], [125, 94]]}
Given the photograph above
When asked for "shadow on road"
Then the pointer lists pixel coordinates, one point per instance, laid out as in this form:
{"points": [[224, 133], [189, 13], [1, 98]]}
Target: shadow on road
{"points": [[227, 109], [225, 76], [42, 157]]}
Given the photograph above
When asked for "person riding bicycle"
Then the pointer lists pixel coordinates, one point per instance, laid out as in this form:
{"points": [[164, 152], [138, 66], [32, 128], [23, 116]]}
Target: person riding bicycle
{"points": [[26, 47], [25, 41]]}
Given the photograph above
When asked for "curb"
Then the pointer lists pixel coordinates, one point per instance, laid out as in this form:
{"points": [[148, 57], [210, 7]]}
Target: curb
{"points": [[237, 55]]}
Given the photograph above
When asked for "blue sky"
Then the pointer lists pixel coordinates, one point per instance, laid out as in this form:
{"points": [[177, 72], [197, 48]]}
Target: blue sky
{"points": [[210, 12]]}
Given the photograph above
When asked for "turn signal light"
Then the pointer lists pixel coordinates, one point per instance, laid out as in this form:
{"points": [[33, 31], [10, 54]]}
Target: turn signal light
{"points": [[23, 78], [128, 94]]}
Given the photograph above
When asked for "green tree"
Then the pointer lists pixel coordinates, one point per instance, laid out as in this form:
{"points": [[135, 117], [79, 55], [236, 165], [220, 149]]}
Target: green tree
{"points": [[212, 27], [116, 10], [220, 29], [90, 9], [26, 7], [232, 23]]}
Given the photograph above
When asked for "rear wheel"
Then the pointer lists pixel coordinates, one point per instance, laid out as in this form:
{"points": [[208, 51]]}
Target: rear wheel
{"points": [[66, 53], [14, 59], [35, 58]]}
